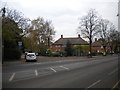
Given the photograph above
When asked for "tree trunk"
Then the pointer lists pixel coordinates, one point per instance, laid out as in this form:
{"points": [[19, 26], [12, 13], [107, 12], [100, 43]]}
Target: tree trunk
{"points": [[90, 48]]}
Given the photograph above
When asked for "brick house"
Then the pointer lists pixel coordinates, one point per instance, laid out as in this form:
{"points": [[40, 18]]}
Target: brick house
{"points": [[98, 47], [60, 44]]}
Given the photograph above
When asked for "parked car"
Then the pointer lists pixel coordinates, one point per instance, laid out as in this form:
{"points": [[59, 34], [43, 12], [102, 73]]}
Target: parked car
{"points": [[31, 57]]}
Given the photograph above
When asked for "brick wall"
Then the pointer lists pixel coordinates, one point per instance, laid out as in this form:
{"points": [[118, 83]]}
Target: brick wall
{"points": [[54, 48]]}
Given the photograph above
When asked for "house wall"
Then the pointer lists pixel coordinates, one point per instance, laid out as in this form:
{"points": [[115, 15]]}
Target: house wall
{"points": [[54, 48], [61, 48], [97, 48], [94, 49]]}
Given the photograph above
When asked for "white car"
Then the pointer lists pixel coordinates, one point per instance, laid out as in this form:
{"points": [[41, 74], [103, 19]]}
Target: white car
{"points": [[30, 57]]}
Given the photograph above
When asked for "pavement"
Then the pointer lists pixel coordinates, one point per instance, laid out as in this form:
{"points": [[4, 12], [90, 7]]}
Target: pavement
{"points": [[45, 59]]}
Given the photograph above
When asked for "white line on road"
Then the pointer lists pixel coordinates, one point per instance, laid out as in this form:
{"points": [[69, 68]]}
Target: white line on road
{"points": [[115, 85], [11, 78], [113, 71], [53, 69], [94, 83], [64, 67], [36, 72]]}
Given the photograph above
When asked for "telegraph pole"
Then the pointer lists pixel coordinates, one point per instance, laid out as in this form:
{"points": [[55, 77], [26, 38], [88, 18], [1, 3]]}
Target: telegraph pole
{"points": [[118, 25], [3, 16], [3, 12]]}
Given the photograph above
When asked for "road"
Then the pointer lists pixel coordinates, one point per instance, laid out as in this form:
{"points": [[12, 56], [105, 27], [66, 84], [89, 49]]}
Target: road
{"points": [[97, 73]]}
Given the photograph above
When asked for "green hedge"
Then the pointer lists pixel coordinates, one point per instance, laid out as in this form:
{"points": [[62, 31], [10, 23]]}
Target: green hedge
{"points": [[12, 53]]}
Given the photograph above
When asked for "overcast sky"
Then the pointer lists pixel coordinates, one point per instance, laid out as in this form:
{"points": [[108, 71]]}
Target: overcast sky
{"points": [[64, 14]]}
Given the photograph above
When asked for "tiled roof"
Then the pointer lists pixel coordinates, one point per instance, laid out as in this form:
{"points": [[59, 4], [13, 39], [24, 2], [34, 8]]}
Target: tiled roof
{"points": [[73, 41], [96, 44]]}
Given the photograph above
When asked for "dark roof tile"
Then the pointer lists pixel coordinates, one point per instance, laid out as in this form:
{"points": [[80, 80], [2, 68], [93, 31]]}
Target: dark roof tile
{"points": [[97, 44], [74, 41]]}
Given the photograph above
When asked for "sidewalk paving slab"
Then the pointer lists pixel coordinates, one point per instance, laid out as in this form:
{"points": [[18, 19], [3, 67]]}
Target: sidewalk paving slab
{"points": [[45, 59]]}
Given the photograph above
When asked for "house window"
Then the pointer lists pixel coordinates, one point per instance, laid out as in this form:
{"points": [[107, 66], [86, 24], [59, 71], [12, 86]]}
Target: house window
{"points": [[57, 50], [57, 45], [51, 46], [63, 45]]}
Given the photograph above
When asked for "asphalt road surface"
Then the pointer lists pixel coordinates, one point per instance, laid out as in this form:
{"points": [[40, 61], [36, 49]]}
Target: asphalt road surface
{"points": [[98, 73]]}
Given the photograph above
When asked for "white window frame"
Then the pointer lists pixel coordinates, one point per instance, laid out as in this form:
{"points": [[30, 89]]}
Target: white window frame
{"points": [[57, 50], [58, 45], [63, 45]]}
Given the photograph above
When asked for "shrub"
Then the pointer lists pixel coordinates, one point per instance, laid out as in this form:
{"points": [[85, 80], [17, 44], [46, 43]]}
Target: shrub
{"points": [[11, 53], [49, 52]]}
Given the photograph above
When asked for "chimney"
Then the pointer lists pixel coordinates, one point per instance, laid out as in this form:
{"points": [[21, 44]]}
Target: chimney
{"points": [[78, 35], [95, 39], [61, 36]]}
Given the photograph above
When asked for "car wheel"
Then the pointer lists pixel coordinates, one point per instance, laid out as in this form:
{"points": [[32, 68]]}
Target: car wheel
{"points": [[35, 60]]}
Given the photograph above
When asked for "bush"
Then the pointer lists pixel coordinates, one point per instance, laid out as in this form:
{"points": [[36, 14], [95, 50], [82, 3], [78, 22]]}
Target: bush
{"points": [[49, 52], [55, 54], [11, 53], [94, 54]]}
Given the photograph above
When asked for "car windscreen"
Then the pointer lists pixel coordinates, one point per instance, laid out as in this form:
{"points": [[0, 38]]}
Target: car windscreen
{"points": [[30, 55]]}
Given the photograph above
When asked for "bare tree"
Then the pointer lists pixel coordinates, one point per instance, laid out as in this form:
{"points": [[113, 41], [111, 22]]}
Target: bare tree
{"points": [[89, 26], [18, 17], [114, 40], [107, 29]]}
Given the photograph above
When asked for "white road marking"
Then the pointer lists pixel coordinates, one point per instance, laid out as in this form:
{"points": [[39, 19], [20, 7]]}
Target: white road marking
{"points": [[36, 72], [94, 83], [113, 71], [53, 69], [64, 67], [11, 78], [115, 85]]}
